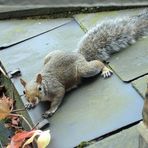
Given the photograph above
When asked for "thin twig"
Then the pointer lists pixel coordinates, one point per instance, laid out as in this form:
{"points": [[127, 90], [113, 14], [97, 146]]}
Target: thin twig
{"points": [[3, 72], [23, 119], [37, 123], [18, 110]]}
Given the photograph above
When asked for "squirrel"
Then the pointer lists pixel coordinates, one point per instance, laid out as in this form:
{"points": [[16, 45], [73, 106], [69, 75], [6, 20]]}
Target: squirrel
{"points": [[63, 71]]}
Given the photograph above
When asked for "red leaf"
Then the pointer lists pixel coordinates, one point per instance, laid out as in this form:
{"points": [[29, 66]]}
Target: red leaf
{"points": [[18, 139]]}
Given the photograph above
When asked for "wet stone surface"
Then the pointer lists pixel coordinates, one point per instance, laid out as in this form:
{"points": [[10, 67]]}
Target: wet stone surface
{"points": [[96, 108], [29, 56], [99, 106], [14, 31], [132, 62], [128, 138], [87, 21], [140, 85]]}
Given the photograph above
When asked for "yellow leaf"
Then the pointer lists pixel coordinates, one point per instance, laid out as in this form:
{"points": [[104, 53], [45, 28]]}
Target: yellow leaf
{"points": [[30, 140], [8, 146], [44, 139]]}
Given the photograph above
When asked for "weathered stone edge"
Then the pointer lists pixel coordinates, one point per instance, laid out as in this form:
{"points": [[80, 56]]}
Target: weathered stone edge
{"points": [[11, 11]]}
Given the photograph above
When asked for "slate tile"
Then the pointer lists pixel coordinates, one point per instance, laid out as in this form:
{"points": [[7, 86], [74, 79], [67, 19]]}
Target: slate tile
{"points": [[132, 62], [29, 55], [96, 108], [128, 138], [15, 30], [140, 85], [87, 21]]}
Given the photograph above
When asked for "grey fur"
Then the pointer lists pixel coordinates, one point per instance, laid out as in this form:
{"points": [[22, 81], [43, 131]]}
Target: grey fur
{"points": [[61, 72], [111, 36]]}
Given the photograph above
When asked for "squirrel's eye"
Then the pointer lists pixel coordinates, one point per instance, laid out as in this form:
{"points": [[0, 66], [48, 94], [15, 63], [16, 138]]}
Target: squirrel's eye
{"points": [[40, 88], [24, 92]]}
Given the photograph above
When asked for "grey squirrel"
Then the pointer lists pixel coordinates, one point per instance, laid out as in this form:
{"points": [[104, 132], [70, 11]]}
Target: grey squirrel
{"points": [[63, 71]]}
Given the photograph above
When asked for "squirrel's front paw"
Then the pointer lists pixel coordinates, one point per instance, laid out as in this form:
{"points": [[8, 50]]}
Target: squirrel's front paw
{"points": [[29, 106], [47, 114], [106, 72]]}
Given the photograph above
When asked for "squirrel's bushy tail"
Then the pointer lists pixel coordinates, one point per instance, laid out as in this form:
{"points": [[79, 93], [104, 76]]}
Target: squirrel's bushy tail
{"points": [[111, 36]]}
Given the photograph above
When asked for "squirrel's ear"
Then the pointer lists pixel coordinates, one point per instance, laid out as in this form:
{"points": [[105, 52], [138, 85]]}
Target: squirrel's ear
{"points": [[39, 78], [23, 82]]}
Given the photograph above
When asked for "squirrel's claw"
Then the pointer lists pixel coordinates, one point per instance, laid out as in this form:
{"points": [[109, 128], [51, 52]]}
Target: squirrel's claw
{"points": [[29, 106], [106, 72]]}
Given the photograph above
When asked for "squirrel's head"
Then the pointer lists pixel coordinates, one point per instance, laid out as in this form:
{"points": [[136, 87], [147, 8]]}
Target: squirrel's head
{"points": [[33, 90]]}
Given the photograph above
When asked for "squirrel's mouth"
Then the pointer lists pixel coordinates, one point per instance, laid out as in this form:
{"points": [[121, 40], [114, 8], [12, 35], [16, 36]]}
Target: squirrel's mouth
{"points": [[35, 101]]}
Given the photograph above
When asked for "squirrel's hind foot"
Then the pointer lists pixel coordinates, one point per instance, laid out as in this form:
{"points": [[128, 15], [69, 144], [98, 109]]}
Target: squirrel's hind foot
{"points": [[106, 72]]}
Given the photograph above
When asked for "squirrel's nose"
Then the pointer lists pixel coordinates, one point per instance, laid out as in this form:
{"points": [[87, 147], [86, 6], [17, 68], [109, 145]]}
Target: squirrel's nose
{"points": [[33, 101]]}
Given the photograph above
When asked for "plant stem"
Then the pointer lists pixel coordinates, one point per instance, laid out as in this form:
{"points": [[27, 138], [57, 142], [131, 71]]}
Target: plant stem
{"points": [[18, 110], [37, 123], [21, 116]]}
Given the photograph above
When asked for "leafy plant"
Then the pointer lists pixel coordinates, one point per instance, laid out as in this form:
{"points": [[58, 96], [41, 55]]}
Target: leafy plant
{"points": [[20, 139], [6, 106]]}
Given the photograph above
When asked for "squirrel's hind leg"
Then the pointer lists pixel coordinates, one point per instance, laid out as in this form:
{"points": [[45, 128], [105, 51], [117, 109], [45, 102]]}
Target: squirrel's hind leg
{"points": [[92, 68]]}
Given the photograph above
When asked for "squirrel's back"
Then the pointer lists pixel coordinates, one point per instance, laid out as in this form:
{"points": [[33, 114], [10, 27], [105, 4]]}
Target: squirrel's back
{"points": [[62, 68], [111, 36]]}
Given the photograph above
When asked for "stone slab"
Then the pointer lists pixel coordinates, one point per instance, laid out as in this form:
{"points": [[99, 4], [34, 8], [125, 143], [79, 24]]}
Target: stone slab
{"points": [[14, 31], [68, 2], [63, 9], [128, 138], [140, 85], [96, 108], [87, 21], [28, 56], [132, 62]]}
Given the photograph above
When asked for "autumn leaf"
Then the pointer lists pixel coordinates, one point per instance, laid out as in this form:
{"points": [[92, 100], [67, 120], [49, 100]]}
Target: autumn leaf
{"points": [[13, 122], [21, 138], [30, 140], [44, 139], [6, 106], [18, 139]]}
